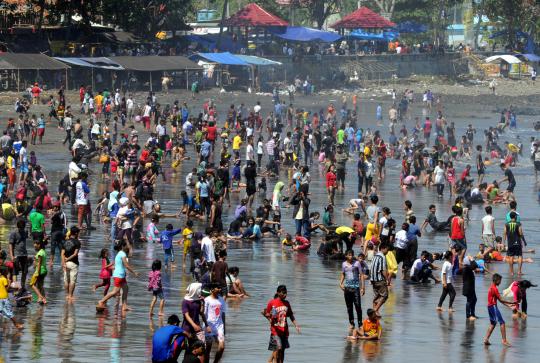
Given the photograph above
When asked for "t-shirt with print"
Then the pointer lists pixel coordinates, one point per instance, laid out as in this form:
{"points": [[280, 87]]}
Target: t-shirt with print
{"points": [[279, 310], [69, 248], [352, 274]]}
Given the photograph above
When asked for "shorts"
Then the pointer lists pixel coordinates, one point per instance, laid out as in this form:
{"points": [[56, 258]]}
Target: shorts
{"points": [[514, 251], [458, 242], [217, 333], [5, 309], [488, 240], [380, 290], [81, 211], [278, 343], [24, 168], [187, 246], [158, 293], [38, 236], [340, 174], [537, 165], [71, 272], [495, 315], [20, 265], [41, 132], [511, 187], [119, 281]]}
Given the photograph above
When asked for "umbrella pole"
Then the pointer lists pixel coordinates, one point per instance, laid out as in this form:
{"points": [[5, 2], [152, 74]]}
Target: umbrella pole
{"points": [[150, 81], [67, 83], [18, 80], [187, 79], [93, 84]]}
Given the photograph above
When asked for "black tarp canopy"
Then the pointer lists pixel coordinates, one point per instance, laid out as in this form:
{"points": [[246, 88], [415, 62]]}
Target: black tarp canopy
{"points": [[28, 61], [155, 63]]}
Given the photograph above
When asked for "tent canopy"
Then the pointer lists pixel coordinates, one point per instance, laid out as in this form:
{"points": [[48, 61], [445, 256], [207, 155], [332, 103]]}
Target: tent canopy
{"points": [[411, 27], [30, 61], [510, 59], [155, 63], [530, 57], [254, 16], [97, 62], [303, 34], [257, 61], [363, 18]]}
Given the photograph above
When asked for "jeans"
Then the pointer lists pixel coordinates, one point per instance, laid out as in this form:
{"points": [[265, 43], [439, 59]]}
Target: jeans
{"points": [[352, 298], [360, 183], [302, 224], [448, 290], [471, 304], [369, 182], [440, 189], [169, 255]]}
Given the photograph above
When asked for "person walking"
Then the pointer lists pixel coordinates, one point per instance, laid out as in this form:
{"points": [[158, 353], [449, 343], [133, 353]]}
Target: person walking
{"points": [[70, 261], [277, 311], [353, 286], [379, 278], [447, 279]]}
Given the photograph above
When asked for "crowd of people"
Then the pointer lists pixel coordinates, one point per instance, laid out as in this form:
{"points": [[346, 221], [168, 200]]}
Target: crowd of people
{"points": [[245, 152]]}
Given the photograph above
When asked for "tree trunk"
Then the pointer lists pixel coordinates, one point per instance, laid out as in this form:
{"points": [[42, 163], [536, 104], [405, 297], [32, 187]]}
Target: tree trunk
{"points": [[41, 14], [223, 15]]}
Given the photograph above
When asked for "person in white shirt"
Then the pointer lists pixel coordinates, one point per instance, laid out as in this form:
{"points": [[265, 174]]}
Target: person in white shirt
{"points": [[250, 151], [78, 144], [117, 99], [447, 279], [160, 130], [129, 106], [207, 247], [401, 244], [215, 309], [488, 228], [68, 124], [257, 107]]}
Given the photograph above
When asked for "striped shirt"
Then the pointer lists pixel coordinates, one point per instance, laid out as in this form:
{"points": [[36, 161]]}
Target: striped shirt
{"points": [[378, 267]]}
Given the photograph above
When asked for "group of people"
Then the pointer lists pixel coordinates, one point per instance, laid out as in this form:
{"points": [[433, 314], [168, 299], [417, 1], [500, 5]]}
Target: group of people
{"points": [[240, 153]]}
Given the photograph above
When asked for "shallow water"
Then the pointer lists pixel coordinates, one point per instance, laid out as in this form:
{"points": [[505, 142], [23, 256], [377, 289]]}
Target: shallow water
{"points": [[73, 332]]}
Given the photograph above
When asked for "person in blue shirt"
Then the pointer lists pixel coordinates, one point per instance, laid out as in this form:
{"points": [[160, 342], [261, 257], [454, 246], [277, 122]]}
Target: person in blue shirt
{"points": [[166, 239], [412, 235], [206, 148], [168, 341]]}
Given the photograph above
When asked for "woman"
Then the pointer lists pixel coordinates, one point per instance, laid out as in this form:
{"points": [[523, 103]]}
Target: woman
{"points": [[447, 279], [451, 177], [331, 184], [439, 178], [38, 278], [193, 311], [352, 284]]}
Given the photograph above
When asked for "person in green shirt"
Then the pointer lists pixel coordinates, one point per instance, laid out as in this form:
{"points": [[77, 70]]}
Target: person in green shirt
{"points": [[37, 220], [340, 136], [38, 278]]}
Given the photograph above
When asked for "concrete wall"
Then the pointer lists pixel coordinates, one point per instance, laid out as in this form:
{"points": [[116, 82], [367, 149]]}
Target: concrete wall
{"points": [[381, 66]]}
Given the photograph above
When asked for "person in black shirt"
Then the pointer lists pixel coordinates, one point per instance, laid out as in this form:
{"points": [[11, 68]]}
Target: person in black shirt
{"points": [[58, 228], [508, 177], [70, 261]]}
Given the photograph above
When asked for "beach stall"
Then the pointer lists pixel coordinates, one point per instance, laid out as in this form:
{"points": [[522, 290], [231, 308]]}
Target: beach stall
{"points": [[509, 65], [365, 19], [19, 70]]}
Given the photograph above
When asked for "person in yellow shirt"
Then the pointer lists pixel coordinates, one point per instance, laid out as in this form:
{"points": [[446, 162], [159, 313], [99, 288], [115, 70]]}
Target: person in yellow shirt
{"points": [[371, 328], [187, 234], [98, 100], [237, 142], [5, 305], [11, 171]]}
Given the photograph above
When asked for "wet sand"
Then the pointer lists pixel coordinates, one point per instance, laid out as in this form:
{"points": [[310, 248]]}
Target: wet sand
{"points": [[62, 332]]}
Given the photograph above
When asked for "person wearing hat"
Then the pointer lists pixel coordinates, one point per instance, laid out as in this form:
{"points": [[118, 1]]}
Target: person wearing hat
{"points": [[70, 261]]}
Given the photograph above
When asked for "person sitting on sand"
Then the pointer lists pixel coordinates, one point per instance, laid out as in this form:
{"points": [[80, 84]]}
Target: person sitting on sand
{"points": [[235, 285], [370, 330]]}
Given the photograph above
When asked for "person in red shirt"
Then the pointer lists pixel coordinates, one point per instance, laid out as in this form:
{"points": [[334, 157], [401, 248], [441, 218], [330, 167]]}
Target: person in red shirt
{"points": [[211, 133], [277, 311], [466, 173], [331, 184], [82, 92], [494, 313], [36, 91]]}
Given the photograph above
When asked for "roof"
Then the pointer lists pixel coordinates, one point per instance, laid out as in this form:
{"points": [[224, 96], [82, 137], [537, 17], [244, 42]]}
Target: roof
{"points": [[510, 59], [121, 37], [384, 36], [95, 62], [223, 58], [363, 18], [303, 34], [155, 63], [255, 16], [530, 57], [30, 61]]}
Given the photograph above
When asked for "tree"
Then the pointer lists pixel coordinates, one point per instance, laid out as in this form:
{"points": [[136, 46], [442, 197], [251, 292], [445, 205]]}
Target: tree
{"points": [[386, 6]]}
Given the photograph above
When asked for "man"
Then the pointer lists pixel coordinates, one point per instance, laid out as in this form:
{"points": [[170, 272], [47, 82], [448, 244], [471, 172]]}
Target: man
{"points": [[301, 213], [288, 148], [70, 261], [431, 219], [207, 247], [488, 228], [513, 233], [379, 278], [83, 204], [37, 221], [18, 252], [196, 353], [168, 341], [237, 142], [58, 227], [508, 177], [277, 311], [23, 160], [341, 164]]}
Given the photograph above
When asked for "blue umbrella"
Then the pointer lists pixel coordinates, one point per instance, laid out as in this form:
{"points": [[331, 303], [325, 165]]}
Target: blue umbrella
{"points": [[411, 27]]}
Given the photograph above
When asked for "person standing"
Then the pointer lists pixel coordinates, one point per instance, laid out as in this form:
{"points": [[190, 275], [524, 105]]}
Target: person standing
{"points": [[353, 286], [379, 278], [513, 234], [18, 251], [446, 279], [469, 291], [488, 228], [301, 213], [215, 308], [277, 311], [70, 261], [508, 177], [82, 191]]}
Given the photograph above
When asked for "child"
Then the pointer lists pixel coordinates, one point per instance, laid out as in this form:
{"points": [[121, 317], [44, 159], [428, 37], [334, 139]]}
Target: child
{"points": [[154, 285], [494, 313], [187, 235], [152, 232], [101, 211], [40, 264], [5, 304], [105, 273], [166, 240], [371, 328], [446, 279]]}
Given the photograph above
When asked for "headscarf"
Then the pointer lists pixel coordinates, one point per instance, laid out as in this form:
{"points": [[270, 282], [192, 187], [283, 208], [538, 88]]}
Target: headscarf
{"points": [[193, 291], [276, 196], [112, 200]]}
